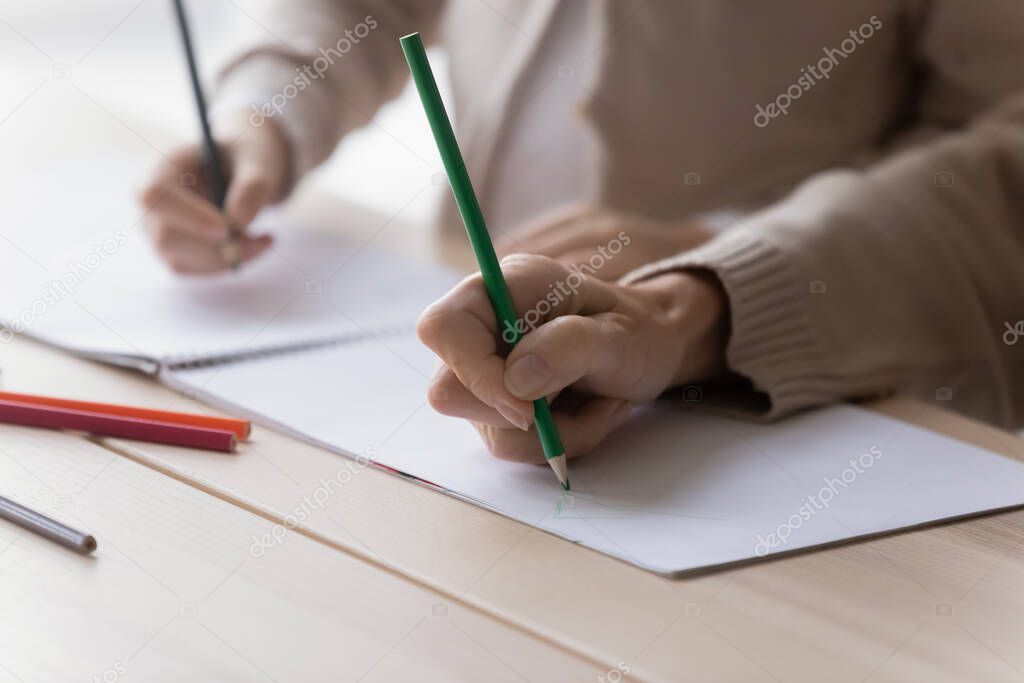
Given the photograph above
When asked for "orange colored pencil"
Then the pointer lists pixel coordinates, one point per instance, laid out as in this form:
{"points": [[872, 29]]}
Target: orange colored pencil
{"points": [[118, 426], [241, 428]]}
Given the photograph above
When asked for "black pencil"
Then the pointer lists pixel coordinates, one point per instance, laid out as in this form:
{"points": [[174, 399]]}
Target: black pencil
{"points": [[213, 164], [218, 181]]}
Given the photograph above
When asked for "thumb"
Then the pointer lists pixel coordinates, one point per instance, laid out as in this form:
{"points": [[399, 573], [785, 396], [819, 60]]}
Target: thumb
{"points": [[566, 350]]}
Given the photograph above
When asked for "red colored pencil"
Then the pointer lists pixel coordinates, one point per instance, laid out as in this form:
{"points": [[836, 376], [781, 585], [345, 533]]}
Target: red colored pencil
{"points": [[241, 428], [32, 415]]}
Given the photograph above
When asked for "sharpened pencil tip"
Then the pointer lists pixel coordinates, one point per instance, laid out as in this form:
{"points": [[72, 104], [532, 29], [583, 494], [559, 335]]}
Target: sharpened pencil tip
{"points": [[561, 470]]}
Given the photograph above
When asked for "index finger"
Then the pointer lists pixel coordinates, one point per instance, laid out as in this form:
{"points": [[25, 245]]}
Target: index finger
{"points": [[460, 329]]}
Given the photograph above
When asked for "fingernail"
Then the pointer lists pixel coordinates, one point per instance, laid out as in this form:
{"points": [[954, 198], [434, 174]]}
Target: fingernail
{"points": [[528, 375], [513, 415]]}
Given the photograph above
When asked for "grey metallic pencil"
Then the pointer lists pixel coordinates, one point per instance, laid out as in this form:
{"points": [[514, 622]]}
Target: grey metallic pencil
{"points": [[44, 526]]}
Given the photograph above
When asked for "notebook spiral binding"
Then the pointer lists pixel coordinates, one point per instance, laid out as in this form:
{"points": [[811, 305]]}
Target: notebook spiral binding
{"points": [[241, 356]]}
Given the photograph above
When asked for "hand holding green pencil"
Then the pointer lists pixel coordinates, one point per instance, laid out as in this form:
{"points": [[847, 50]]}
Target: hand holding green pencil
{"points": [[477, 230], [616, 344]]}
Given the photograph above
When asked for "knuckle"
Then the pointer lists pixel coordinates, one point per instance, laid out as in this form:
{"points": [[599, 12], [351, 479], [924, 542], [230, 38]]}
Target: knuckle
{"points": [[570, 327], [478, 383], [631, 375], [439, 394], [571, 332], [468, 285], [448, 313], [432, 323], [439, 404]]}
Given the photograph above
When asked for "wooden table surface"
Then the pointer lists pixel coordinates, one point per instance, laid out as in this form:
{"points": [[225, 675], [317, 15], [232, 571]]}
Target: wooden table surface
{"points": [[390, 581]]}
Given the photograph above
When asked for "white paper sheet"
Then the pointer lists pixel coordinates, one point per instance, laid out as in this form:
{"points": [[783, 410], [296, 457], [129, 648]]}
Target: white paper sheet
{"points": [[310, 287], [674, 490]]}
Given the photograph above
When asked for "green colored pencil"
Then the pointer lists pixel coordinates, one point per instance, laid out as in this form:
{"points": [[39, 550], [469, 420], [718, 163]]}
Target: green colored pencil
{"points": [[473, 219]]}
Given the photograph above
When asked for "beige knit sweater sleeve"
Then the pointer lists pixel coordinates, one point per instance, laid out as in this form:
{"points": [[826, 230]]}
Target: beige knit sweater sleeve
{"points": [[901, 276], [323, 68]]}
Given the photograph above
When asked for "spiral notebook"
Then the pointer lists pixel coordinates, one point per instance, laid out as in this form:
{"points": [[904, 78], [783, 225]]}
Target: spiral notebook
{"points": [[311, 289], [675, 490], [316, 339]]}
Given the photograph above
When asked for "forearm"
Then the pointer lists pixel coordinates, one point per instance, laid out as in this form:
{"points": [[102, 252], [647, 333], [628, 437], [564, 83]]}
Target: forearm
{"points": [[892, 278], [325, 70]]}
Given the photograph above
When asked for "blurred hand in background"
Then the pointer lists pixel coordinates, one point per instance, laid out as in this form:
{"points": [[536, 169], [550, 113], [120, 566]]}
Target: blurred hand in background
{"points": [[189, 232]]}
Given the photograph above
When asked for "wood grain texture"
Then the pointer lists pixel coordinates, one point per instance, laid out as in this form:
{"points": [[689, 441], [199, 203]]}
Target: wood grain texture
{"points": [[934, 604], [175, 592], [945, 604]]}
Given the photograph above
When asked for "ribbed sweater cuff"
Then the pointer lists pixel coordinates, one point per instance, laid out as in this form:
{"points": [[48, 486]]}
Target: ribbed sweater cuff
{"points": [[772, 342]]}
